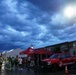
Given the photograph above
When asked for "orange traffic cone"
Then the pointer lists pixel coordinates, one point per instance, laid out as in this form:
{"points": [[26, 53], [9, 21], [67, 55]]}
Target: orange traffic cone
{"points": [[66, 70]]}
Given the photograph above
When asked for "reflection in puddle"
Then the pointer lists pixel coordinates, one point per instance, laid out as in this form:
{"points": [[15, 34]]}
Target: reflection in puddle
{"points": [[3, 68]]}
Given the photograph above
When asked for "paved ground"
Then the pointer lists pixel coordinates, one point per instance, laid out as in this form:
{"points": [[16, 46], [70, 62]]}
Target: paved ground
{"points": [[31, 72], [36, 71]]}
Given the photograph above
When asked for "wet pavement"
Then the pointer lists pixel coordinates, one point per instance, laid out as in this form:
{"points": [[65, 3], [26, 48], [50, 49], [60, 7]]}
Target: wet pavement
{"points": [[34, 71], [15, 72]]}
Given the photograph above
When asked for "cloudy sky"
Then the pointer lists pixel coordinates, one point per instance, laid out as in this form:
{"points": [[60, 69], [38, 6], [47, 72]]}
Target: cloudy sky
{"points": [[37, 22]]}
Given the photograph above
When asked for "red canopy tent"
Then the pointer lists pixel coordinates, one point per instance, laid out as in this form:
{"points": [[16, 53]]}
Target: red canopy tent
{"points": [[29, 51], [22, 53]]}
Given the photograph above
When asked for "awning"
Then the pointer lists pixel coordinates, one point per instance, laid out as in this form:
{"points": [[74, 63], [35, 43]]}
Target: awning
{"points": [[33, 51], [43, 51]]}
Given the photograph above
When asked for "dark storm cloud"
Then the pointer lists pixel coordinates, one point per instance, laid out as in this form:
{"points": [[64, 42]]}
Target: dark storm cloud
{"points": [[47, 5], [37, 22], [51, 6], [7, 46]]}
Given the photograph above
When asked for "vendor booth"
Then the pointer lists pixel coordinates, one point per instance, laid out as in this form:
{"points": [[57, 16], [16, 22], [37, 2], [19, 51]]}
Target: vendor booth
{"points": [[37, 54]]}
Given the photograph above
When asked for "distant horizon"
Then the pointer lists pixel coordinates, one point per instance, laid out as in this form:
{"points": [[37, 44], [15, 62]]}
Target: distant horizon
{"points": [[39, 47]]}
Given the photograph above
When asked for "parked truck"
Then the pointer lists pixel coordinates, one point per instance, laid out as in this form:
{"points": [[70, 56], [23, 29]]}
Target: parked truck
{"points": [[58, 60]]}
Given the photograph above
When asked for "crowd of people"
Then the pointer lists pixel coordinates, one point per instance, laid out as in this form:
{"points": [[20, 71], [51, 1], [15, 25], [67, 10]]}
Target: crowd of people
{"points": [[13, 62], [17, 62], [21, 62]]}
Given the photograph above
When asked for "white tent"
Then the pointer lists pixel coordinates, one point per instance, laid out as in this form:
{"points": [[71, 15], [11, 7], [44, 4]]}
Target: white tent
{"points": [[14, 53]]}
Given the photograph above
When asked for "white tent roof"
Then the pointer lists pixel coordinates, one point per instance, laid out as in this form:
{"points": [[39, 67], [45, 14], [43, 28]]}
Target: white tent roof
{"points": [[14, 53]]}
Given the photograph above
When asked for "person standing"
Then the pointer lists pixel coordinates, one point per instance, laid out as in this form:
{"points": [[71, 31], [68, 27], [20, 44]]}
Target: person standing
{"points": [[0, 62], [20, 63], [16, 62], [12, 62], [29, 61]]}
